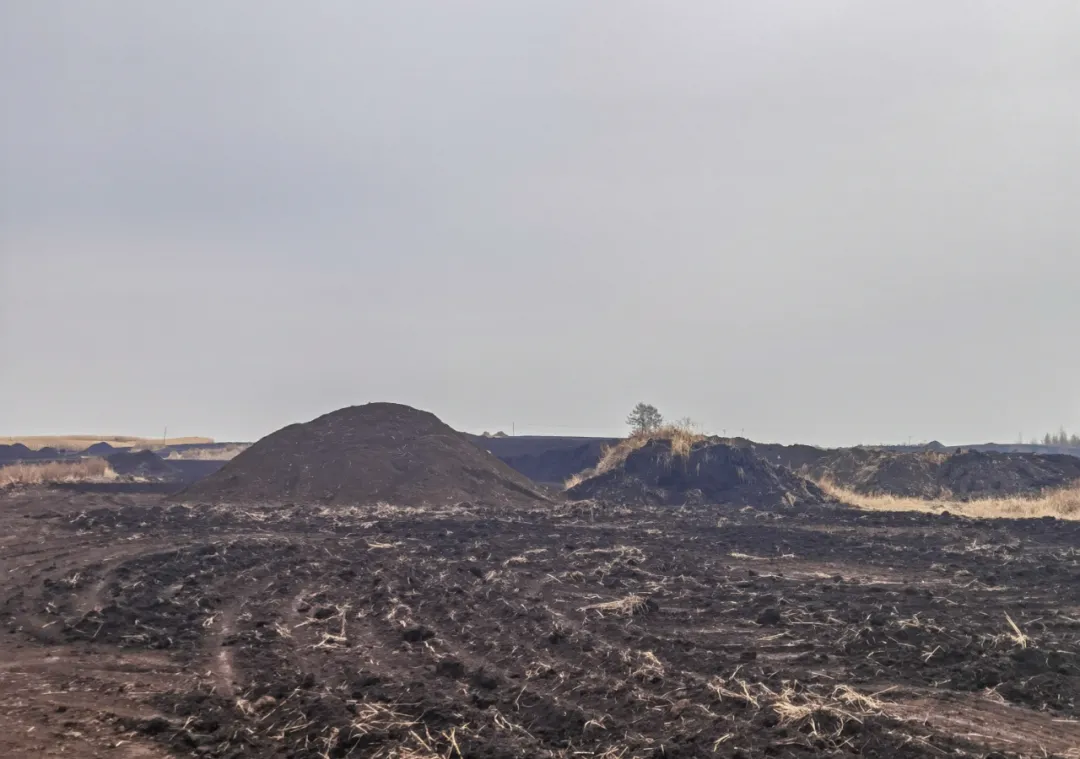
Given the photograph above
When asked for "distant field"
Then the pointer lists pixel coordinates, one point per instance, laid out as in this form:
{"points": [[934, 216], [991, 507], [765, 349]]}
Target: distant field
{"points": [[80, 442]]}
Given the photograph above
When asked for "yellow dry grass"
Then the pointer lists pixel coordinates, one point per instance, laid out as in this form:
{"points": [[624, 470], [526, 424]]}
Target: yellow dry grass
{"points": [[682, 439], [1063, 503], [84, 470], [82, 442]]}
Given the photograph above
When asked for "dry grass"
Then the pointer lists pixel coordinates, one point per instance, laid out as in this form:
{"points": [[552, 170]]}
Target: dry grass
{"points": [[85, 470], [217, 453], [629, 606], [82, 442], [1063, 503], [682, 438], [822, 714]]}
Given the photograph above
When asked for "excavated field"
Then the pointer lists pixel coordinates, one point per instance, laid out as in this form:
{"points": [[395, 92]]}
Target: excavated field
{"points": [[138, 628]]}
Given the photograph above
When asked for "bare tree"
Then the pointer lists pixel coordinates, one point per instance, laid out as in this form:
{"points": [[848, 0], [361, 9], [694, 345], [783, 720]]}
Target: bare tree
{"points": [[645, 418]]}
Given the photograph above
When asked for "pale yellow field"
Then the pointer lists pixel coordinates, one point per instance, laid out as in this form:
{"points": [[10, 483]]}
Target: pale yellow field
{"points": [[81, 442]]}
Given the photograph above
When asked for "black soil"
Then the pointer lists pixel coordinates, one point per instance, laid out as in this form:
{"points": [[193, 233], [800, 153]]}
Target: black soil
{"points": [[140, 464], [712, 472], [962, 474], [380, 452], [591, 631]]}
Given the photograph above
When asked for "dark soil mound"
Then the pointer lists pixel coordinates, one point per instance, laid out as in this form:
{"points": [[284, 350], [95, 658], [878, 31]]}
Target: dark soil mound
{"points": [[963, 474], [556, 465], [19, 452], [140, 464], [381, 452], [712, 472], [100, 449]]}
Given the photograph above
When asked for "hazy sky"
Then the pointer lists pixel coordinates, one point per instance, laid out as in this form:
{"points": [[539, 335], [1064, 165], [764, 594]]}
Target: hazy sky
{"points": [[822, 221]]}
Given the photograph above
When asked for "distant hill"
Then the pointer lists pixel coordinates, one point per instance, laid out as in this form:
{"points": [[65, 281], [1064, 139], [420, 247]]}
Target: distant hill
{"points": [[82, 442]]}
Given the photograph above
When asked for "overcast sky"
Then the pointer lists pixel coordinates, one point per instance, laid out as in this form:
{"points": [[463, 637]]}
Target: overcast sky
{"points": [[823, 221]]}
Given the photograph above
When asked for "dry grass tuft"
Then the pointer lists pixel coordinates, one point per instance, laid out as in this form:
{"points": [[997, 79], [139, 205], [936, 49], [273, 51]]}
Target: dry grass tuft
{"points": [[623, 607], [682, 438], [1017, 636], [820, 714], [1063, 503], [576, 479], [54, 472]]}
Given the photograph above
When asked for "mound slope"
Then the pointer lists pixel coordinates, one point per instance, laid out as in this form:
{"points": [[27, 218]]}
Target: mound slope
{"points": [[710, 472], [963, 474], [379, 452]]}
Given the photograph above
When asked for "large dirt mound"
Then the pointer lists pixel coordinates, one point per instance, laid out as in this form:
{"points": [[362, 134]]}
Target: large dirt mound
{"points": [[963, 475], [711, 472], [141, 464], [380, 452]]}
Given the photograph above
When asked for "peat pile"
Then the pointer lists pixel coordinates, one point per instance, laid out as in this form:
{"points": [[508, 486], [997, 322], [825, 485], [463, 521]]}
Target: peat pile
{"points": [[377, 453], [18, 452], [963, 474], [707, 472], [141, 464]]}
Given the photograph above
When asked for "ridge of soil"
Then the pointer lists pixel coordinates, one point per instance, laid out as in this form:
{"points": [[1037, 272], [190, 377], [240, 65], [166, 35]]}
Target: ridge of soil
{"points": [[710, 472], [379, 452], [963, 475], [18, 452], [931, 471]]}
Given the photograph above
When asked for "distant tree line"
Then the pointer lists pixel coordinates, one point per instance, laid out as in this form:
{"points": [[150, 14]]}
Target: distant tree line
{"points": [[1061, 437]]}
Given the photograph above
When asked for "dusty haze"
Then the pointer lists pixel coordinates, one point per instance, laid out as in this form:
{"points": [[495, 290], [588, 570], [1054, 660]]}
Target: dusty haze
{"points": [[832, 222]]}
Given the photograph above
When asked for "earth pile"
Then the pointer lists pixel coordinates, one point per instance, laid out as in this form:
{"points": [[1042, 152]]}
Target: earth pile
{"points": [[707, 472], [376, 453], [963, 475], [141, 464]]}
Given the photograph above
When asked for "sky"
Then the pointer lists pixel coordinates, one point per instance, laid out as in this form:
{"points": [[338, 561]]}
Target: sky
{"points": [[824, 221]]}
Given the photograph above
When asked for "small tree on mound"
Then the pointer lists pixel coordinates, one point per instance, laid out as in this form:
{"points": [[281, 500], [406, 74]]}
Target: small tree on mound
{"points": [[644, 419], [682, 436]]}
